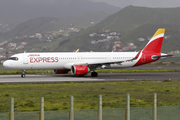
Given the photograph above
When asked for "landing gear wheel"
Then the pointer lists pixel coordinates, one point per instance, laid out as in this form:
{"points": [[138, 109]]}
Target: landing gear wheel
{"points": [[23, 75], [94, 74]]}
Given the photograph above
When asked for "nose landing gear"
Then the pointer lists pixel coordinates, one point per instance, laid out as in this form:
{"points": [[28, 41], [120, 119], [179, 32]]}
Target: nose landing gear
{"points": [[23, 74]]}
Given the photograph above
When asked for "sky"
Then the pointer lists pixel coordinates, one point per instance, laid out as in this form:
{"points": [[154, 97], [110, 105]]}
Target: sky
{"points": [[145, 3], [124, 3]]}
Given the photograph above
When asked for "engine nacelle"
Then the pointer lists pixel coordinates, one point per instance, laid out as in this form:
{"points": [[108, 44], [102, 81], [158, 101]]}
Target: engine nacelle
{"points": [[79, 69], [61, 71]]}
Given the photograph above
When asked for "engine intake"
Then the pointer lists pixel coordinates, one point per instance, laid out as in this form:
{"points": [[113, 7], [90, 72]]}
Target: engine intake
{"points": [[79, 69]]}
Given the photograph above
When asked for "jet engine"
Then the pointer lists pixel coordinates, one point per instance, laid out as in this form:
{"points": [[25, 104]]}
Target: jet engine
{"points": [[79, 69], [61, 71]]}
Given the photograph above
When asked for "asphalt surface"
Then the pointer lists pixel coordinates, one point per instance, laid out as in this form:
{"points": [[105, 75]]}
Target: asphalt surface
{"points": [[138, 67], [103, 77]]}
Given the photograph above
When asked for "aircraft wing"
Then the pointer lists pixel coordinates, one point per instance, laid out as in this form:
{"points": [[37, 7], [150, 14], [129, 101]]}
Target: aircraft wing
{"points": [[94, 64], [115, 62], [104, 63]]}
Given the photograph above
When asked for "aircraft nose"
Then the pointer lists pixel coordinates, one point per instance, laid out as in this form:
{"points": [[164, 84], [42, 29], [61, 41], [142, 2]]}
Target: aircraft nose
{"points": [[6, 64]]}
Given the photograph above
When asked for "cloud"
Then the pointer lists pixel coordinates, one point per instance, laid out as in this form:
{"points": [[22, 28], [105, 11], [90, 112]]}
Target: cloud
{"points": [[145, 3]]}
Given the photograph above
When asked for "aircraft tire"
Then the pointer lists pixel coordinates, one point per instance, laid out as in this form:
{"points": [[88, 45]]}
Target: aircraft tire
{"points": [[23, 75], [94, 74]]}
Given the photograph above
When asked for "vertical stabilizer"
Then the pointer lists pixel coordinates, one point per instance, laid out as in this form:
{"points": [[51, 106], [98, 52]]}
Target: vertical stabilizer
{"points": [[155, 43]]}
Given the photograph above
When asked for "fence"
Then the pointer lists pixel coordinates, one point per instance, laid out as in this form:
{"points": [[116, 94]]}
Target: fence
{"points": [[145, 113]]}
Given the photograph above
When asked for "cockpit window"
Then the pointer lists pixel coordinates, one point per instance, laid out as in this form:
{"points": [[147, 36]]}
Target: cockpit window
{"points": [[13, 58]]}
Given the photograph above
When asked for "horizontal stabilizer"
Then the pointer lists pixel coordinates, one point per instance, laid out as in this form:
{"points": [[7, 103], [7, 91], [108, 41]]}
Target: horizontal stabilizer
{"points": [[164, 55]]}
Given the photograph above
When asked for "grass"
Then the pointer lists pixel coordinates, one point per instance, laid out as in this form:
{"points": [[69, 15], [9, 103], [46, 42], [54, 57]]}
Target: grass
{"points": [[57, 95]]}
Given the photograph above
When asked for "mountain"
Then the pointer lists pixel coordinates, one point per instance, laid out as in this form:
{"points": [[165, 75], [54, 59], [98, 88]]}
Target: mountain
{"points": [[44, 24], [147, 30], [132, 22], [132, 17], [16, 11], [32, 26]]}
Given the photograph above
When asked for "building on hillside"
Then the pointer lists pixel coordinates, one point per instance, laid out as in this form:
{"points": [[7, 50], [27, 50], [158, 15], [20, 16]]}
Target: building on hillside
{"points": [[113, 33], [92, 23], [23, 43], [38, 35], [93, 42], [61, 31], [109, 37], [1, 49], [141, 39], [32, 36], [3, 43], [93, 34], [131, 46]]}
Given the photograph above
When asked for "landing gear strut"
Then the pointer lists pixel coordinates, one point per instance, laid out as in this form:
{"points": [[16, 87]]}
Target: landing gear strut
{"points": [[23, 73], [94, 74]]}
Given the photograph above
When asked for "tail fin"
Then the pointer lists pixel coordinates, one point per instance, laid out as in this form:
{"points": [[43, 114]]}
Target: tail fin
{"points": [[155, 43]]}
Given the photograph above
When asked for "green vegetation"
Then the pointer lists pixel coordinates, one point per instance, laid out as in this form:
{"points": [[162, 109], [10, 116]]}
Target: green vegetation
{"points": [[57, 95], [147, 30], [133, 22]]}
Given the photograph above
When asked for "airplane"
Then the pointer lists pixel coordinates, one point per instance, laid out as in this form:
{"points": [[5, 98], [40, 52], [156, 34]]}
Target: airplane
{"points": [[81, 63]]}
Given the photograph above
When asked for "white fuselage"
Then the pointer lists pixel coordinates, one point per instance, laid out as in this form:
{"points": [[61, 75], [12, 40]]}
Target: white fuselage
{"points": [[66, 59]]}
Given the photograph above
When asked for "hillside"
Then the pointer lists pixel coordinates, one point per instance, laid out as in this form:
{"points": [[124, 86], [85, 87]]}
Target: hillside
{"points": [[16, 11], [132, 17], [132, 22], [148, 30], [32, 26], [44, 24]]}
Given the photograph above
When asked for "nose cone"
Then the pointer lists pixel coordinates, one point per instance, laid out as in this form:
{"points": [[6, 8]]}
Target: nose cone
{"points": [[6, 64]]}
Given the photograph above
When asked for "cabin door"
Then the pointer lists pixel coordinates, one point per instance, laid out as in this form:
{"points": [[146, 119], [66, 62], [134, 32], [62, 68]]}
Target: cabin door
{"points": [[25, 58]]}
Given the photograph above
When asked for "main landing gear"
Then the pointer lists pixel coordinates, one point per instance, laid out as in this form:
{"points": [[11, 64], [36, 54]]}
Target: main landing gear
{"points": [[23, 73], [94, 74]]}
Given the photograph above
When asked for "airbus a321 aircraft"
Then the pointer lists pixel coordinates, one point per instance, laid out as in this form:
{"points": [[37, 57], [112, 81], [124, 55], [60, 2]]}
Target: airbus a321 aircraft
{"points": [[80, 63]]}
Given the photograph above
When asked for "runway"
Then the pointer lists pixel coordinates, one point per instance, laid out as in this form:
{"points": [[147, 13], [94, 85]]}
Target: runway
{"points": [[117, 77], [138, 67], [106, 77]]}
